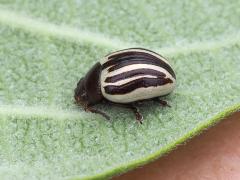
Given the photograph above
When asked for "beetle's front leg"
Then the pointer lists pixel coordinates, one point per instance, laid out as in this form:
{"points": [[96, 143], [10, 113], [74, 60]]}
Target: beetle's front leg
{"points": [[96, 111], [162, 102]]}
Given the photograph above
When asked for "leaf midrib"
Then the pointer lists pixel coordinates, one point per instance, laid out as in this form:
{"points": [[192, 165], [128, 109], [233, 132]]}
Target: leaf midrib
{"points": [[39, 111]]}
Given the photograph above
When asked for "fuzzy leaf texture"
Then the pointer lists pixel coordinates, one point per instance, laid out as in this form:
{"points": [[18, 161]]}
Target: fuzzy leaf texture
{"points": [[46, 46]]}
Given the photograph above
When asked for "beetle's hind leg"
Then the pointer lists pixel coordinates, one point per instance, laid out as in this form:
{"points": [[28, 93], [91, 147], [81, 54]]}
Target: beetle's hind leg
{"points": [[161, 102], [96, 111]]}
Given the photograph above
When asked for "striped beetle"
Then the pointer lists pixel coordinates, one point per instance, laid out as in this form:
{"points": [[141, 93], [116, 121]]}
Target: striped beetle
{"points": [[125, 78]]}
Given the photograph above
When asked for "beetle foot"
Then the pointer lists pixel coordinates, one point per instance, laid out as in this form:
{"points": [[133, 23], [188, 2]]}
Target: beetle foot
{"points": [[139, 117], [132, 107], [162, 102]]}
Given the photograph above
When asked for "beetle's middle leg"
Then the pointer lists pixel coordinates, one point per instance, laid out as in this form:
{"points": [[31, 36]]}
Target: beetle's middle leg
{"points": [[135, 110], [138, 115]]}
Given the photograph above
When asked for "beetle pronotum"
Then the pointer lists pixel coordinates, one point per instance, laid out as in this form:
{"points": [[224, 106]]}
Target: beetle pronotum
{"points": [[124, 78]]}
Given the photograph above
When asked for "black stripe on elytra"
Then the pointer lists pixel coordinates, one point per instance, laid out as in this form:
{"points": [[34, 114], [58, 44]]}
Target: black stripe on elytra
{"points": [[143, 61], [135, 84], [126, 58], [134, 73]]}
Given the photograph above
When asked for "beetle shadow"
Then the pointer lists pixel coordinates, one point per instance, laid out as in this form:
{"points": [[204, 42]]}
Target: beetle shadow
{"points": [[117, 112]]}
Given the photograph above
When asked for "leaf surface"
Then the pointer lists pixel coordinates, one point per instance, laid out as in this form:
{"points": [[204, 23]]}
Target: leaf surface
{"points": [[46, 46]]}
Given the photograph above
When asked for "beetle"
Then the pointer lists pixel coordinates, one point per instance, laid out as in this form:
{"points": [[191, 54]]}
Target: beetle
{"points": [[126, 77]]}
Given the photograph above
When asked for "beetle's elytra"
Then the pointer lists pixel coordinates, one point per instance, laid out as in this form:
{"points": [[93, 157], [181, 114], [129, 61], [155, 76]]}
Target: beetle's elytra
{"points": [[124, 78]]}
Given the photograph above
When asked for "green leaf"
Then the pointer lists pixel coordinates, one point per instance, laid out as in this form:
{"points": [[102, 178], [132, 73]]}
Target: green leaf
{"points": [[46, 46]]}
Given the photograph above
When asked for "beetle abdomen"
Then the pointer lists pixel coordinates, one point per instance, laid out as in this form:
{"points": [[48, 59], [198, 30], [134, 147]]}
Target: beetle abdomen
{"points": [[135, 74]]}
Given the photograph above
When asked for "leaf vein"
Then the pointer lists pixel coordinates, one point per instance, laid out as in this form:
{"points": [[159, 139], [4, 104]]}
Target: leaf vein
{"points": [[72, 34]]}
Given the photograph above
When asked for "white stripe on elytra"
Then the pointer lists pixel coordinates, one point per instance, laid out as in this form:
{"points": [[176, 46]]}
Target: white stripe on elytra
{"points": [[140, 93], [124, 81], [106, 74], [131, 67]]}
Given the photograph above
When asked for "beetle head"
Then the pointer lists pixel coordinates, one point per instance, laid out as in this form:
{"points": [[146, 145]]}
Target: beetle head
{"points": [[80, 93], [88, 90]]}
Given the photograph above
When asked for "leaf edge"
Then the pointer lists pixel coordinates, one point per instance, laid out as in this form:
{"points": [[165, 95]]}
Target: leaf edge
{"points": [[123, 168]]}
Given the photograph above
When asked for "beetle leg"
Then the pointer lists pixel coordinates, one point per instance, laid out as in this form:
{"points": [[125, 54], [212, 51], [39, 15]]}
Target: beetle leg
{"points": [[135, 110], [96, 111], [138, 115], [139, 103], [162, 102]]}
